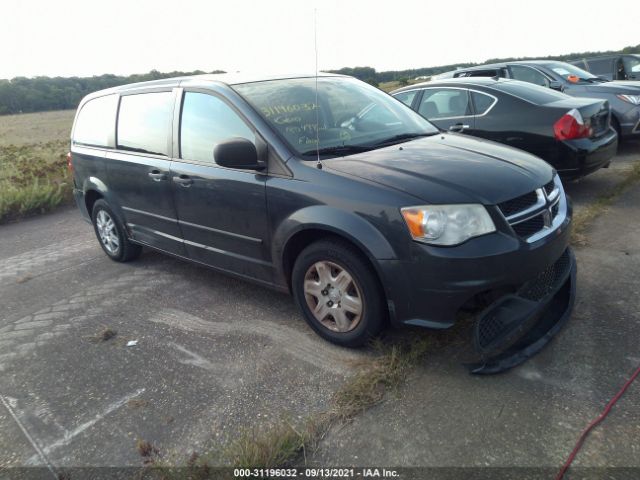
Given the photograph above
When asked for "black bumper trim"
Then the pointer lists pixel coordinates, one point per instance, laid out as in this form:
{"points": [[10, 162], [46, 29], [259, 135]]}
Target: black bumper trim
{"points": [[529, 325]]}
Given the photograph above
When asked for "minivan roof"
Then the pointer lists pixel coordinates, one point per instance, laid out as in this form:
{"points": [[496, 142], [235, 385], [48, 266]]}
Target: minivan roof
{"points": [[222, 78]]}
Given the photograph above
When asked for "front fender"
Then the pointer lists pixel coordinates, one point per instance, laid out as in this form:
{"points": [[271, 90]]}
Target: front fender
{"points": [[349, 225]]}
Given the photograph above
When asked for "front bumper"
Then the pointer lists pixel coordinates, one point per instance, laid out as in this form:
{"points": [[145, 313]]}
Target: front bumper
{"points": [[517, 326], [499, 270], [629, 119]]}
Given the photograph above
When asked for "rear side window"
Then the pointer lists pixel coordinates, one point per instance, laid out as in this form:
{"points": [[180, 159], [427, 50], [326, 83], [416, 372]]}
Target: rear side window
{"points": [[600, 66], [96, 122], [444, 103], [529, 92], [482, 102], [144, 122], [406, 97], [206, 121]]}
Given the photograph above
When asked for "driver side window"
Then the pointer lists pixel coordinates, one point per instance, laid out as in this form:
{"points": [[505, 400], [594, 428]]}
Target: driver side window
{"points": [[207, 120]]}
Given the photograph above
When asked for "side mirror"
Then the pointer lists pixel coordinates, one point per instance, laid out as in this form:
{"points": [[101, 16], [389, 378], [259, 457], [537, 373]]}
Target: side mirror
{"points": [[237, 153], [556, 85]]}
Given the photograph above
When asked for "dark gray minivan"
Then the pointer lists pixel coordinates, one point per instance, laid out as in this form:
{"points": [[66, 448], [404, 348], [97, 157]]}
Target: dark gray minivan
{"points": [[366, 219]]}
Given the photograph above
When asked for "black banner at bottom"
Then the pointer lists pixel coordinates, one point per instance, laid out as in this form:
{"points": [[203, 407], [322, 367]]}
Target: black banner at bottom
{"points": [[414, 473]]}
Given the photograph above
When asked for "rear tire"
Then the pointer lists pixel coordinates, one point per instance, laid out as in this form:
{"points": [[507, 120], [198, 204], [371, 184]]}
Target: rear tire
{"points": [[338, 293], [111, 234]]}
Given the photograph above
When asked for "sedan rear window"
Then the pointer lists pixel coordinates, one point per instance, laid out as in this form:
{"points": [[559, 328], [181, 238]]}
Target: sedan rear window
{"points": [[530, 92]]}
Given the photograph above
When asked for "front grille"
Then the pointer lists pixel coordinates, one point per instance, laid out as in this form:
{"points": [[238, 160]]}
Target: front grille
{"points": [[547, 281], [550, 187], [518, 204], [489, 329], [529, 227], [531, 205]]}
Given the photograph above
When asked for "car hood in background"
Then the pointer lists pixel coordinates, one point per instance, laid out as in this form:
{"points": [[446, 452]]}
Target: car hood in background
{"points": [[449, 168], [616, 87]]}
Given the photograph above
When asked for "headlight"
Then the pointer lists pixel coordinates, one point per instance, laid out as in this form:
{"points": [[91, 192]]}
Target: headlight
{"points": [[635, 99], [447, 224]]}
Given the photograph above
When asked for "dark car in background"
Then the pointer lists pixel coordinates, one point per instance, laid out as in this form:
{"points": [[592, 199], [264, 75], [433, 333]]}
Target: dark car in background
{"points": [[573, 134], [612, 67], [623, 96], [277, 181]]}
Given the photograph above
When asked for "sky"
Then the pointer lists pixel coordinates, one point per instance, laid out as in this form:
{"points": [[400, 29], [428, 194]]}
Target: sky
{"points": [[84, 38]]}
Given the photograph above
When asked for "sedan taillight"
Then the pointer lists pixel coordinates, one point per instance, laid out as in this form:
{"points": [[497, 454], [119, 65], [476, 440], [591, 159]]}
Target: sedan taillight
{"points": [[571, 126], [69, 162]]}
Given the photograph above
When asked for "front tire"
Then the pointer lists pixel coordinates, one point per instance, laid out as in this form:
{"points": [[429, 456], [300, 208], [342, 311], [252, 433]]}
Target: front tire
{"points": [[338, 293], [111, 234]]}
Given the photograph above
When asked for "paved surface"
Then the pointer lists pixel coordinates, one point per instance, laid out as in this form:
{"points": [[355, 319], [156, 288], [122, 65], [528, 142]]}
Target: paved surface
{"points": [[532, 415], [215, 355]]}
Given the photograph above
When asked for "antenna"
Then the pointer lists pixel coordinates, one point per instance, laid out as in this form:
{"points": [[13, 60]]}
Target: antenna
{"points": [[315, 45]]}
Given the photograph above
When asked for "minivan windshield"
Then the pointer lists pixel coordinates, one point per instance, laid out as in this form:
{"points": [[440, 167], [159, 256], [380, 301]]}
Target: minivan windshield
{"points": [[351, 116]]}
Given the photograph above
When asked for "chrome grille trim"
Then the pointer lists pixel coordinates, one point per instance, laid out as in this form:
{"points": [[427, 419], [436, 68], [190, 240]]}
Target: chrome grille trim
{"points": [[547, 204], [518, 217]]}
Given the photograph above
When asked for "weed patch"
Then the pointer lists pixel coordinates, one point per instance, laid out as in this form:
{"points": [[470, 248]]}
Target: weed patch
{"points": [[283, 443], [583, 219], [33, 179]]}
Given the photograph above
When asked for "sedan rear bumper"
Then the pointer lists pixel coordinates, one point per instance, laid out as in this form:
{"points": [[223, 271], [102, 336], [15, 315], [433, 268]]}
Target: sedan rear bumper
{"points": [[586, 155]]}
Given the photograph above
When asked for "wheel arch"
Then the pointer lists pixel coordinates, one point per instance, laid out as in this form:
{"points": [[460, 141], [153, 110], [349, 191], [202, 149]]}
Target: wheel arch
{"points": [[318, 222], [94, 188]]}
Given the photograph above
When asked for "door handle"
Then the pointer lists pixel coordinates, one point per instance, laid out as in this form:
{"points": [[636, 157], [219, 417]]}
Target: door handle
{"points": [[183, 180], [458, 127], [157, 175]]}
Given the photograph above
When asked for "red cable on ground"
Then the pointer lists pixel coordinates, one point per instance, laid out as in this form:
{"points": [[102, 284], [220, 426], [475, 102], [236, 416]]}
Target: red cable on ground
{"points": [[595, 422]]}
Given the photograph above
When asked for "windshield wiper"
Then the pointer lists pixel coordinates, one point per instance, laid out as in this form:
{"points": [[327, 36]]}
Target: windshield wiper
{"points": [[402, 137], [338, 150]]}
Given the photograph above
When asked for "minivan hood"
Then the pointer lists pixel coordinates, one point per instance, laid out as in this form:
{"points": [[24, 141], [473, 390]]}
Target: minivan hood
{"points": [[449, 168]]}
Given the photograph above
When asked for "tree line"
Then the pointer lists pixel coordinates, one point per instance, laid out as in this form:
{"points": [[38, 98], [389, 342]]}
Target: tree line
{"points": [[370, 75], [22, 95]]}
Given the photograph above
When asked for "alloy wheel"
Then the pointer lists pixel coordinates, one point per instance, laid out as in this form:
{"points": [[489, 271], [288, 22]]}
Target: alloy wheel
{"points": [[107, 232]]}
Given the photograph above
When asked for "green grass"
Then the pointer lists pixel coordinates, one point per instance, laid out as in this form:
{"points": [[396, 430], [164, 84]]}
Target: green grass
{"points": [[583, 219], [33, 179], [282, 444]]}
